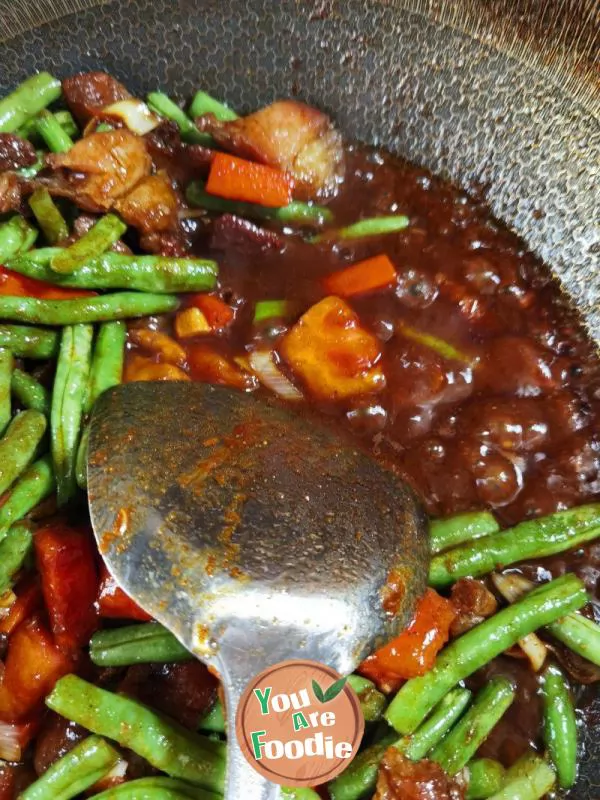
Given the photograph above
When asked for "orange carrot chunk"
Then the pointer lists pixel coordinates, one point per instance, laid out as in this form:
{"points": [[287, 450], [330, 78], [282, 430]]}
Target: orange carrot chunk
{"points": [[238, 179], [362, 277]]}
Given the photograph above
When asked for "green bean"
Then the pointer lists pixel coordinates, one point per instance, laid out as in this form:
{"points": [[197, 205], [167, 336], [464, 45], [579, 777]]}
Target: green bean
{"points": [[163, 105], [6, 373], [16, 236], [214, 720], [25, 341], [372, 702], [48, 216], [289, 793], [469, 733], [360, 776], [486, 776], [70, 385], [107, 362], [34, 485], [532, 539], [84, 765], [450, 531], [436, 726], [294, 213], [375, 226], [270, 309], [14, 549], [203, 103], [439, 346], [167, 746], [27, 100], [136, 644], [530, 778], [29, 392], [560, 725], [52, 132], [156, 788], [580, 634], [81, 459], [64, 118], [95, 242], [117, 271], [31, 170], [120, 305], [481, 644], [19, 445]]}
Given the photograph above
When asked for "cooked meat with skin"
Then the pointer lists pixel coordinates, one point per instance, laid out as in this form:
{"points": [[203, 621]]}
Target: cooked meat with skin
{"points": [[10, 192], [181, 161], [15, 152], [474, 603], [290, 135], [402, 779], [57, 737], [243, 239], [100, 168], [87, 93], [151, 206]]}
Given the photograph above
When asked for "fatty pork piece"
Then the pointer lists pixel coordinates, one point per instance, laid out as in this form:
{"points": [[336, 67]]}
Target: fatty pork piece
{"points": [[290, 135], [99, 169], [87, 93]]}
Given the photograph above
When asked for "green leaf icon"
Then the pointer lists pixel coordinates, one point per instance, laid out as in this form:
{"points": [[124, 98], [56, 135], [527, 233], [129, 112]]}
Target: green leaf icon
{"points": [[334, 689], [318, 692]]}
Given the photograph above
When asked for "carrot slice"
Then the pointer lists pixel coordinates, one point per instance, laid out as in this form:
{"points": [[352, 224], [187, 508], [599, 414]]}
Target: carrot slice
{"points": [[218, 314], [15, 285], [238, 179], [362, 277]]}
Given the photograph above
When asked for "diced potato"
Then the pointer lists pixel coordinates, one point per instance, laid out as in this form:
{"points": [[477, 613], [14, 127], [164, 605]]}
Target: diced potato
{"points": [[209, 365], [332, 354], [157, 342], [140, 368], [191, 322]]}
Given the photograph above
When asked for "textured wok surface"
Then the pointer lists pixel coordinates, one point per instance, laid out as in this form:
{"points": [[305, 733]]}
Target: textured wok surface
{"points": [[388, 74]]}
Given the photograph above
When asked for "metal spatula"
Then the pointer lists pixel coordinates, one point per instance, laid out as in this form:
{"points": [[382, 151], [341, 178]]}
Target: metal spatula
{"points": [[250, 533]]}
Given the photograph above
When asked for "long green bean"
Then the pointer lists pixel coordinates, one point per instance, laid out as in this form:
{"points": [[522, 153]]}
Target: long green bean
{"points": [[14, 549], [168, 747], [29, 392], [34, 485], [84, 765], [203, 103], [107, 362], [70, 386], [136, 644], [436, 726], [156, 788], [486, 776], [48, 216], [298, 793], [92, 244], [372, 701], [294, 213], [481, 644], [465, 738], [19, 444], [360, 776], [64, 118], [560, 725], [25, 341], [214, 720], [16, 236], [159, 274], [532, 539], [27, 100], [120, 305], [52, 132], [163, 105], [81, 460], [580, 634], [6, 373], [450, 531], [530, 778], [375, 226]]}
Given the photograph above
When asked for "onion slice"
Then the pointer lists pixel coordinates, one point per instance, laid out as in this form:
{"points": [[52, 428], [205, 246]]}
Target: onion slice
{"points": [[513, 586], [135, 114], [268, 373]]}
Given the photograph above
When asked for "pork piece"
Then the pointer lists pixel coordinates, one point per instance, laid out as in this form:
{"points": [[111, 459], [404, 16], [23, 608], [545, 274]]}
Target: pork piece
{"points": [[402, 779], [152, 207], [15, 152], [181, 161], [330, 351], [87, 93], [10, 192], [290, 135], [57, 737], [185, 691], [474, 603], [100, 169], [241, 241]]}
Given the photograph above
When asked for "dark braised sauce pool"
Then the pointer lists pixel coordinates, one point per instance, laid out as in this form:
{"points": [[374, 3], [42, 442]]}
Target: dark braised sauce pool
{"points": [[516, 430]]}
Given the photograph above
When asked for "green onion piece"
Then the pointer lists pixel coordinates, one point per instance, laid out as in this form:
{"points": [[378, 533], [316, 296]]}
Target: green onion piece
{"points": [[205, 104], [376, 226], [32, 170], [270, 309], [52, 132], [64, 118], [440, 346], [163, 105]]}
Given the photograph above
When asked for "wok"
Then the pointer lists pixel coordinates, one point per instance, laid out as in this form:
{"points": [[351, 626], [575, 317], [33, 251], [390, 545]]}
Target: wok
{"points": [[503, 97]]}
